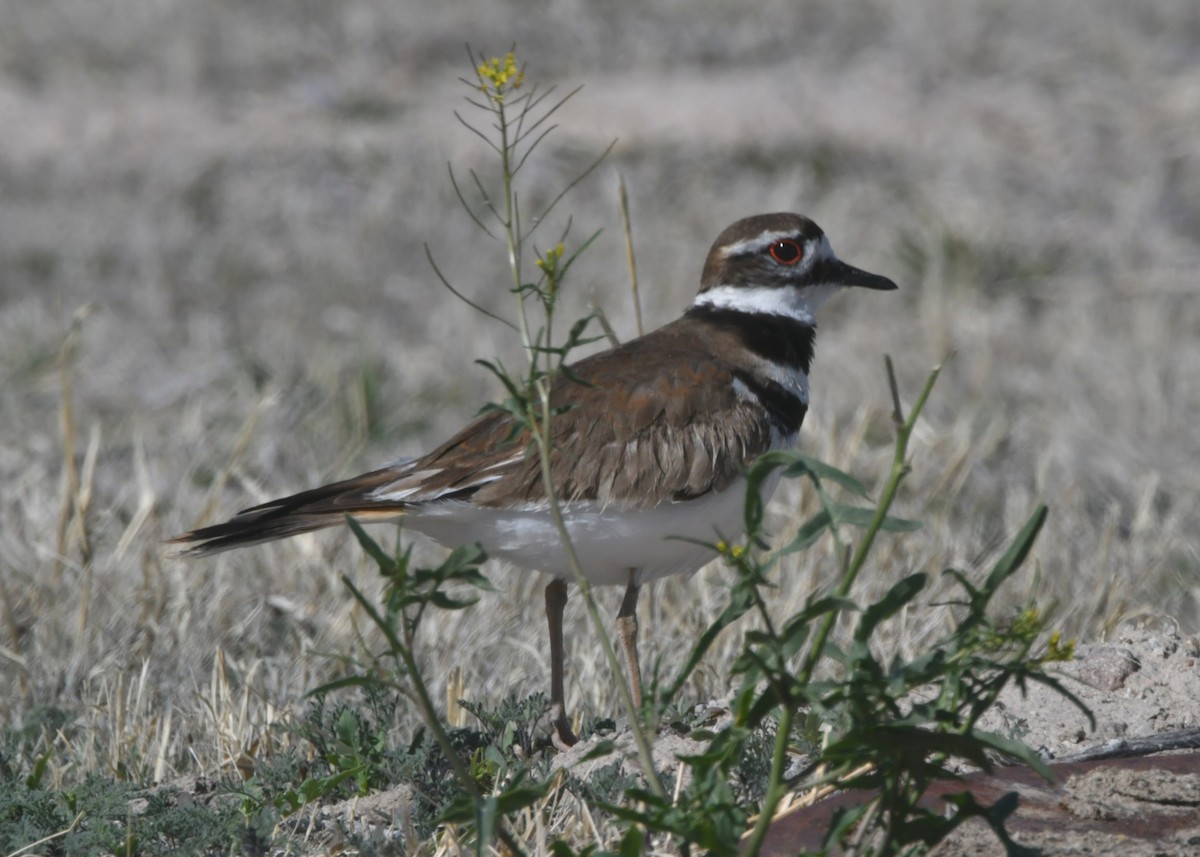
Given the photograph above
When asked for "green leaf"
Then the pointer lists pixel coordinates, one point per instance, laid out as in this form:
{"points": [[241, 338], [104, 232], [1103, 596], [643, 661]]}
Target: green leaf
{"points": [[804, 464], [843, 822], [34, 781], [760, 469], [346, 728], [382, 624], [461, 810], [602, 749], [484, 812], [808, 533], [339, 684], [486, 821], [1018, 550], [474, 577], [862, 516], [1015, 750], [576, 253], [889, 605], [387, 564], [464, 561], [497, 369], [316, 789], [633, 843], [443, 601], [740, 600], [519, 797]]}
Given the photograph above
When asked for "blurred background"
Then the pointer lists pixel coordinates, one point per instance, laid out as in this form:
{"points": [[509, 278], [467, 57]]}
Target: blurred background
{"points": [[214, 290]]}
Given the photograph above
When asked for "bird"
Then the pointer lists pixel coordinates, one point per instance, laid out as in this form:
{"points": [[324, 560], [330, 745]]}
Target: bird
{"points": [[650, 443]]}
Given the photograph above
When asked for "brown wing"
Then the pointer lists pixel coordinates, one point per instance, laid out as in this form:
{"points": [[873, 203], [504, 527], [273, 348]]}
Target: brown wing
{"points": [[631, 434]]}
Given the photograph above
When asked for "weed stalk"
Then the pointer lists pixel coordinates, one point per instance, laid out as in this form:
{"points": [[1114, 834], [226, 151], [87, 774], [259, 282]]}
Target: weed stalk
{"points": [[530, 404], [901, 467]]}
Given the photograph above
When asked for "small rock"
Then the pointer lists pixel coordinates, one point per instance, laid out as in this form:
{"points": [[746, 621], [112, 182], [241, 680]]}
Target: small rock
{"points": [[1102, 667]]}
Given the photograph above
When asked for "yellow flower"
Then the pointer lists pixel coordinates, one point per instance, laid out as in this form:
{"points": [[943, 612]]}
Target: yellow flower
{"points": [[499, 76], [549, 263], [1057, 650], [1028, 622], [729, 551]]}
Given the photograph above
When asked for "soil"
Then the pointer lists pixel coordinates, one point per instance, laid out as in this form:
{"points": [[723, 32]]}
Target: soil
{"points": [[1128, 786]]}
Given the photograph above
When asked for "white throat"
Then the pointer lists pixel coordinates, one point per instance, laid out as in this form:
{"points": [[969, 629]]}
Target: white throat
{"points": [[799, 304]]}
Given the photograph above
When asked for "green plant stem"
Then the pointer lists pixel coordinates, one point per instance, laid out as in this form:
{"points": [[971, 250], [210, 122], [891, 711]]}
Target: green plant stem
{"points": [[901, 467], [510, 236], [777, 787], [404, 651], [443, 740], [541, 431]]}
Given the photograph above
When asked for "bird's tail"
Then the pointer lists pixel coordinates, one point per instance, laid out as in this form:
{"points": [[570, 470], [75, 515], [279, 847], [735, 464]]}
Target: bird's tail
{"points": [[311, 510]]}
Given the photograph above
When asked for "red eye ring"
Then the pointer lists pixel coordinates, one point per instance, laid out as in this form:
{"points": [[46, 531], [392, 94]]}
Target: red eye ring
{"points": [[786, 252]]}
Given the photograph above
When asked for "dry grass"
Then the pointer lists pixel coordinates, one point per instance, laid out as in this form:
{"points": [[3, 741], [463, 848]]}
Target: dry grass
{"points": [[241, 194]]}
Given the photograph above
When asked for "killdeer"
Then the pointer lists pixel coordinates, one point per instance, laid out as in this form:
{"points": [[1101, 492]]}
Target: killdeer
{"points": [[650, 442]]}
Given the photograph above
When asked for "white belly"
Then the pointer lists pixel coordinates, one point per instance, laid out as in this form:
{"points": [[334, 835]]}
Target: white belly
{"points": [[608, 541]]}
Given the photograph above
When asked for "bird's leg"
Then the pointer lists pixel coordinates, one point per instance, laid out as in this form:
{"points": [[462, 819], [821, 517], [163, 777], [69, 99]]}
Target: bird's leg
{"points": [[627, 629], [556, 600]]}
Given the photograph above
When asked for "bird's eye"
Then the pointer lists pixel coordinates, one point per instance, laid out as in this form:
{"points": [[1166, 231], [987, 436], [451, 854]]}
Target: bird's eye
{"points": [[786, 252]]}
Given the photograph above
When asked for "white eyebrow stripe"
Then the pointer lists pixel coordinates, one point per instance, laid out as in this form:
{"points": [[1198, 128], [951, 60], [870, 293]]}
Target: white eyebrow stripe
{"points": [[760, 242], [749, 246]]}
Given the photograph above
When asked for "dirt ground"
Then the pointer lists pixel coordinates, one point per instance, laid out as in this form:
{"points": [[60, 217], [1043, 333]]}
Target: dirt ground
{"points": [[1111, 795], [1141, 687]]}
